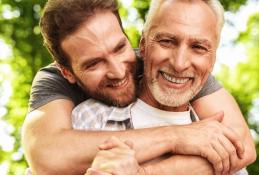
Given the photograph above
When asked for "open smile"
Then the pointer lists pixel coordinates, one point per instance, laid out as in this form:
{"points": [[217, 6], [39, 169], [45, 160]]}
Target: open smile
{"points": [[177, 80], [119, 83]]}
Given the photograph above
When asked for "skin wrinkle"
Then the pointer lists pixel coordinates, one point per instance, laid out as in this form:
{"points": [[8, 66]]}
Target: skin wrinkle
{"points": [[106, 63], [175, 39], [89, 36]]}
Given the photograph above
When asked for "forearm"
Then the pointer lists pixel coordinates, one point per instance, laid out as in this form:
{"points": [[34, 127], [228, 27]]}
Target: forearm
{"points": [[71, 151], [180, 165], [53, 147]]}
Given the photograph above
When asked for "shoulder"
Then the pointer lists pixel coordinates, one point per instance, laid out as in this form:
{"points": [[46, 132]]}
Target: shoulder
{"points": [[49, 85], [211, 86]]}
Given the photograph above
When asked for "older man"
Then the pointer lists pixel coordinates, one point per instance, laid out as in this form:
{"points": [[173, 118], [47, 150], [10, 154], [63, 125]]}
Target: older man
{"points": [[179, 46], [86, 40]]}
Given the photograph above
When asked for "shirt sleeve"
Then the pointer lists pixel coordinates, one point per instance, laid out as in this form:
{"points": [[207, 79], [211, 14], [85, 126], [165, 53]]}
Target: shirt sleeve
{"points": [[211, 86], [49, 85]]}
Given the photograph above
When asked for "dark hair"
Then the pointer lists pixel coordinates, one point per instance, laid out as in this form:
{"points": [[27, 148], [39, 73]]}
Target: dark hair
{"points": [[63, 17]]}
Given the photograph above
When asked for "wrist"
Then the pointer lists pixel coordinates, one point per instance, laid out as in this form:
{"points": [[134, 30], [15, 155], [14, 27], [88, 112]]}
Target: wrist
{"points": [[171, 138]]}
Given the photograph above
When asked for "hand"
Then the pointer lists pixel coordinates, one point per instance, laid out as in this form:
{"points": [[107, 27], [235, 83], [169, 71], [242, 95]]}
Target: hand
{"points": [[92, 171], [115, 158], [211, 140]]}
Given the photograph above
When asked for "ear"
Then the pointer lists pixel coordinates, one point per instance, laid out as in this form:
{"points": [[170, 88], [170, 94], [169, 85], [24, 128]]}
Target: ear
{"points": [[142, 46], [67, 74]]}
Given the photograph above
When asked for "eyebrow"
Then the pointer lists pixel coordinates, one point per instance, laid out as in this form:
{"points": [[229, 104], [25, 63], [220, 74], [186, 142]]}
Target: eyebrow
{"points": [[165, 35], [93, 59], [203, 41]]}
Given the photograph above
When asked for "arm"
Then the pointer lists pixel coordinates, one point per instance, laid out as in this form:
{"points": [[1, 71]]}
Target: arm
{"points": [[221, 100], [52, 147], [120, 159], [180, 165]]}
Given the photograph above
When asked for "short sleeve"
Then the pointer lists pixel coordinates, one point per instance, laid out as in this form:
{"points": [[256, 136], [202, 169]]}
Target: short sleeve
{"points": [[211, 85], [49, 85]]}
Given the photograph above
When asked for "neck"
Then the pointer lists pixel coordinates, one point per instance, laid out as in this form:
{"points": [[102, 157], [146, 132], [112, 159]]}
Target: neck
{"points": [[146, 96]]}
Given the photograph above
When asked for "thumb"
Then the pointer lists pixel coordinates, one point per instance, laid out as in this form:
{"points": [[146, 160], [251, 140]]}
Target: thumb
{"points": [[218, 116], [112, 143], [129, 143]]}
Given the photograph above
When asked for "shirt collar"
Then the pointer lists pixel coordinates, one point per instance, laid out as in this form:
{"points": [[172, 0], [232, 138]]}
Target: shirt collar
{"points": [[120, 114]]}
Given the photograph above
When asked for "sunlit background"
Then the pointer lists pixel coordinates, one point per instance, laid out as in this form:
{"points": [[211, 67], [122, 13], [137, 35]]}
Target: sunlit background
{"points": [[22, 54]]}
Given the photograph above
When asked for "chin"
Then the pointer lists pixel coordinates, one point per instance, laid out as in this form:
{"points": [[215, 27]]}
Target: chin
{"points": [[172, 97]]}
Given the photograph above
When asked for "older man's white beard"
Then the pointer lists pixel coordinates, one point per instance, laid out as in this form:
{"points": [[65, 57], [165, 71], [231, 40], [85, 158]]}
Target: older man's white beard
{"points": [[172, 97]]}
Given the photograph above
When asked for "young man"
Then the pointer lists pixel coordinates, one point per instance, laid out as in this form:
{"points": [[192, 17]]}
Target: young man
{"points": [[179, 51], [53, 147]]}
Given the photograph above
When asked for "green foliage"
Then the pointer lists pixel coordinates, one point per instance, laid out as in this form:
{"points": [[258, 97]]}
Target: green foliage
{"points": [[232, 5], [19, 28], [143, 5], [243, 82], [254, 168]]}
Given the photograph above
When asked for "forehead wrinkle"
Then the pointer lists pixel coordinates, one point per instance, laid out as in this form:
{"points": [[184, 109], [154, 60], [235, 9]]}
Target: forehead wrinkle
{"points": [[86, 34], [74, 42]]}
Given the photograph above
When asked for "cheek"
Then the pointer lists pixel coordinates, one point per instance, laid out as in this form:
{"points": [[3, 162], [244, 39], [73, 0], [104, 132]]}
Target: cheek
{"points": [[130, 55], [203, 64], [156, 55], [93, 79]]}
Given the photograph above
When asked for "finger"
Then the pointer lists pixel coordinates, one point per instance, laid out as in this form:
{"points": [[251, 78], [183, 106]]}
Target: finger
{"points": [[112, 143], [233, 158], [107, 145], [129, 143], [212, 156], [110, 167], [92, 171], [218, 116], [235, 140], [222, 152], [120, 143]]}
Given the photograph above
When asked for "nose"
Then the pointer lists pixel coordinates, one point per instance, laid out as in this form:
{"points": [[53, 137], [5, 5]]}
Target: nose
{"points": [[180, 60], [116, 69]]}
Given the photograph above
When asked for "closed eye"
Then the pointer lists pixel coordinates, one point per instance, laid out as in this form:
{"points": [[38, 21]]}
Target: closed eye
{"points": [[91, 64], [120, 46], [199, 48]]}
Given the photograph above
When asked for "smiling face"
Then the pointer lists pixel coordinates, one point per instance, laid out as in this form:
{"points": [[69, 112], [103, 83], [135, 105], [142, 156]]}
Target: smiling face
{"points": [[179, 52], [102, 60]]}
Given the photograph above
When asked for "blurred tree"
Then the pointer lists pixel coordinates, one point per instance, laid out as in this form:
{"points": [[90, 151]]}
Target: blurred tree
{"points": [[142, 7], [243, 82], [19, 28]]}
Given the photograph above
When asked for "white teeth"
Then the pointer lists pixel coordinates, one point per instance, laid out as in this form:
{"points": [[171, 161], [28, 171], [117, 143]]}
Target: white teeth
{"points": [[174, 79], [119, 83]]}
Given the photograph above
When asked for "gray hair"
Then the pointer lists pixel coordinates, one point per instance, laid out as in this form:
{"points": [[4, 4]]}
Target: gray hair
{"points": [[156, 4]]}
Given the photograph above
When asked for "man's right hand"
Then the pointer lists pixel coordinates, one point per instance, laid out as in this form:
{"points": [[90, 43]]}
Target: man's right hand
{"points": [[115, 158], [211, 140]]}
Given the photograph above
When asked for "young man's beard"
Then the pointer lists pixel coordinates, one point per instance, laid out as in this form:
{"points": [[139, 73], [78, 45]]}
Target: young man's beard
{"points": [[108, 95]]}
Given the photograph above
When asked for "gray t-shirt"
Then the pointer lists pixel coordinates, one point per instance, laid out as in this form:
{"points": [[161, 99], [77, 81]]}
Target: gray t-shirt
{"points": [[49, 85]]}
